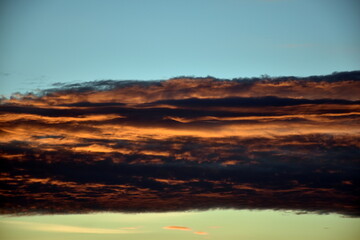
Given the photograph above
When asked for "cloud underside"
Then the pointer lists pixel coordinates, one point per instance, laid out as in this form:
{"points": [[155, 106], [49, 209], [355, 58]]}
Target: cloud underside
{"points": [[285, 143]]}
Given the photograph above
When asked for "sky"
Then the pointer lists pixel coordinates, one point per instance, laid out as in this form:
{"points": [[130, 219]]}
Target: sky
{"points": [[47, 41], [217, 224], [231, 119]]}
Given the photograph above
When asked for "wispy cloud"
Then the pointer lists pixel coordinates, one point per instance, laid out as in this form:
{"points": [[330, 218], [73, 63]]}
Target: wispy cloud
{"points": [[186, 143], [129, 228], [45, 227], [177, 228], [185, 229]]}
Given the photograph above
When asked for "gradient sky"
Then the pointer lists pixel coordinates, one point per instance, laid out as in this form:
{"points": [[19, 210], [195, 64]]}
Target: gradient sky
{"points": [[47, 41], [258, 148], [215, 225]]}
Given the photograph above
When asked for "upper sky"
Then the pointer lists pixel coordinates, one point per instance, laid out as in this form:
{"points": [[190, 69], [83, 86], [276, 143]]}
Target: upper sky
{"points": [[48, 41]]}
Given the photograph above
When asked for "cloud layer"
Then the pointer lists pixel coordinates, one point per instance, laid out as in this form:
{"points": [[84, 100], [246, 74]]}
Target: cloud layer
{"points": [[185, 143]]}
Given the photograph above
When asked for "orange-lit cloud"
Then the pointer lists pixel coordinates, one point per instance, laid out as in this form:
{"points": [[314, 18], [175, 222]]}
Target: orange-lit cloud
{"points": [[201, 233], [186, 143], [177, 228]]}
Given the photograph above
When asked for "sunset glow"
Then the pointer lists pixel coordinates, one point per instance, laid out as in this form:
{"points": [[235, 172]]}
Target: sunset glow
{"points": [[179, 120], [230, 147]]}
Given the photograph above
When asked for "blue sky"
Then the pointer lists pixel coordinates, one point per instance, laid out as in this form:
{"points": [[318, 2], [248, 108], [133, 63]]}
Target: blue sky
{"points": [[48, 41]]}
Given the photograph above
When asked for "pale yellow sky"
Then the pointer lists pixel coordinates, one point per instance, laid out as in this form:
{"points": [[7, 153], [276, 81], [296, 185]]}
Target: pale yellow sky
{"points": [[214, 224]]}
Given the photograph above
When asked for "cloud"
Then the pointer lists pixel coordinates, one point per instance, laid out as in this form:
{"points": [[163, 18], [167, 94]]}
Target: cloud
{"points": [[344, 85], [177, 228], [186, 143], [45, 227], [129, 228], [185, 229]]}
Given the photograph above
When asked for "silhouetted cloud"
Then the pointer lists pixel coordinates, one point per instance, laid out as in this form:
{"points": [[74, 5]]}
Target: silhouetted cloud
{"points": [[182, 144]]}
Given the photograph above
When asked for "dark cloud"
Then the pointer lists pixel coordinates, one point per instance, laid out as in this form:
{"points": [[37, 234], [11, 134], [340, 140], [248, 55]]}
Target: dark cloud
{"points": [[248, 102], [186, 143]]}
